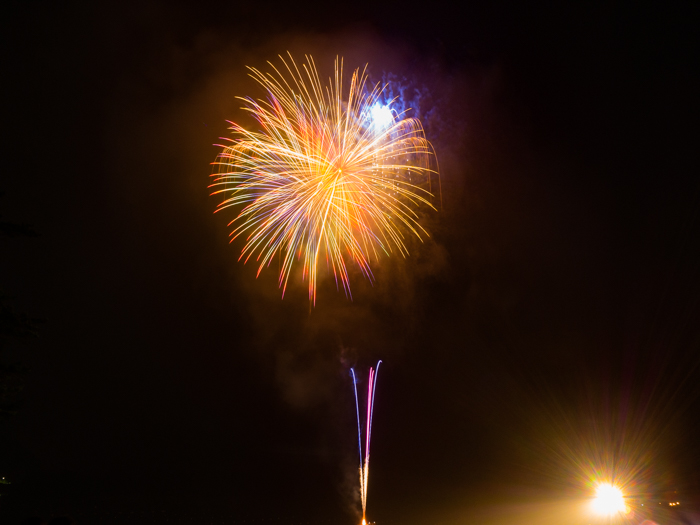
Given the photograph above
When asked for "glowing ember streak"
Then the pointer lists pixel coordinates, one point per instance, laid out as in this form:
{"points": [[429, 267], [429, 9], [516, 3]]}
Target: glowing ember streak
{"points": [[324, 173], [364, 460]]}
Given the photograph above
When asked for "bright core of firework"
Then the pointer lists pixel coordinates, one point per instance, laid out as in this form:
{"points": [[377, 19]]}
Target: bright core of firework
{"points": [[609, 500], [382, 117], [328, 174]]}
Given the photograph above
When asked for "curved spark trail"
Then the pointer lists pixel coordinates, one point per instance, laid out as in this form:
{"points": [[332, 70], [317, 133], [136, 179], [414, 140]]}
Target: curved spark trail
{"points": [[357, 409], [364, 460], [327, 175]]}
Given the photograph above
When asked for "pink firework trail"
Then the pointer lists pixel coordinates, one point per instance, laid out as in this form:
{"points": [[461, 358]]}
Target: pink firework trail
{"points": [[364, 460]]}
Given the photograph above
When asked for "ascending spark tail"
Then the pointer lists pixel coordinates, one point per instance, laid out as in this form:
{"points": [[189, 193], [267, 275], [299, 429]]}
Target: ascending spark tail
{"points": [[364, 461]]}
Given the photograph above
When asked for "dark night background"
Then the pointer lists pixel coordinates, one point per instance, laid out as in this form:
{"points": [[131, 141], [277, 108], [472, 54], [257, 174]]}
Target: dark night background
{"points": [[549, 328]]}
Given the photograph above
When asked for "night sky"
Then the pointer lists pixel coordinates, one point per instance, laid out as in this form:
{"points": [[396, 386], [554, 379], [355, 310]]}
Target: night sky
{"points": [[548, 328]]}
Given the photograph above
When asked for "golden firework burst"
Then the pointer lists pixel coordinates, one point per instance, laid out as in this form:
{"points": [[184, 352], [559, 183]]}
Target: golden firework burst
{"points": [[325, 175]]}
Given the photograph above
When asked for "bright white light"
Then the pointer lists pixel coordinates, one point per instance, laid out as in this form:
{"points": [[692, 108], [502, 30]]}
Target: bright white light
{"points": [[609, 500], [382, 117]]}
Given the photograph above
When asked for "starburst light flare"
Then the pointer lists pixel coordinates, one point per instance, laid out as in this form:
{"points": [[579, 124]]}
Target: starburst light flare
{"points": [[326, 175], [609, 500]]}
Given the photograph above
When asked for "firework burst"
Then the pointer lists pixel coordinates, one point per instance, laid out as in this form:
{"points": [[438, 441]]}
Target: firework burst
{"points": [[325, 176]]}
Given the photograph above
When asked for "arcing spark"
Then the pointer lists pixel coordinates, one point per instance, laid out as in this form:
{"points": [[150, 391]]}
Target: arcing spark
{"points": [[364, 460], [342, 175]]}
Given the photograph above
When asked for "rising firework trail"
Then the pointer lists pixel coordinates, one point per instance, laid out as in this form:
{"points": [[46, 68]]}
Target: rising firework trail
{"points": [[327, 174], [364, 459]]}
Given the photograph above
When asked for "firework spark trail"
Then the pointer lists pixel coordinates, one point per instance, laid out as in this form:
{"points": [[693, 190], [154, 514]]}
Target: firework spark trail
{"points": [[357, 408], [325, 173], [364, 460]]}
